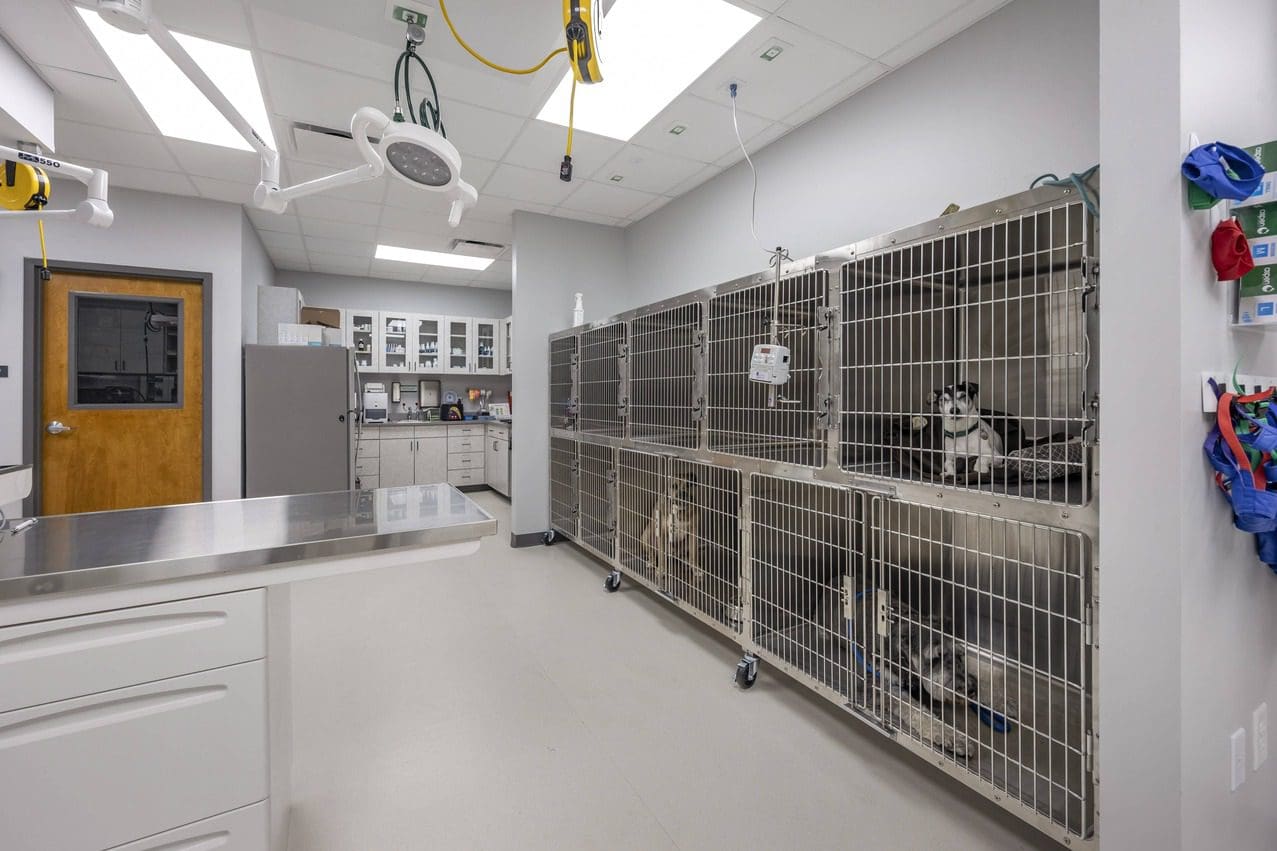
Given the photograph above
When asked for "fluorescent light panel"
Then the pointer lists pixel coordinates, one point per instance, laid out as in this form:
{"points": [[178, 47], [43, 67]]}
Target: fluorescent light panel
{"points": [[651, 51], [178, 108], [432, 258]]}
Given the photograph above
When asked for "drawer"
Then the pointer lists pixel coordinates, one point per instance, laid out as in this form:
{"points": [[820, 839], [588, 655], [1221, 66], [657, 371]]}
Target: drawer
{"points": [[367, 466], [99, 771], [465, 430], [438, 432], [60, 659], [245, 829], [465, 460], [499, 432], [466, 477], [369, 483], [465, 443], [368, 448]]}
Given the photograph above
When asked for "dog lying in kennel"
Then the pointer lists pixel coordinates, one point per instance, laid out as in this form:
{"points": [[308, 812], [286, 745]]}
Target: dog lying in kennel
{"points": [[926, 672]]}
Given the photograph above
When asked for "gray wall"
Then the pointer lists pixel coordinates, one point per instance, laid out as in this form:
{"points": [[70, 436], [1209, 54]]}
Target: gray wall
{"points": [[257, 270], [977, 118], [152, 231], [553, 258], [381, 294]]}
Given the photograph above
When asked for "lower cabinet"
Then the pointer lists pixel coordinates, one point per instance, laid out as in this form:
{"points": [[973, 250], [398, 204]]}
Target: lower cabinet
{"points": [[398, 462], [497, 464], [102, 770], [245, 829], [431, 463]]}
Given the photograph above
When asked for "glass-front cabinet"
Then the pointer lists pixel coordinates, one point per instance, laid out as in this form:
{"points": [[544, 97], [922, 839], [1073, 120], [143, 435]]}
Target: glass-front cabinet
{"points": [[395, 355], [361, 338], [486, 355], [460, 343], [427, 336], [507, 345]]}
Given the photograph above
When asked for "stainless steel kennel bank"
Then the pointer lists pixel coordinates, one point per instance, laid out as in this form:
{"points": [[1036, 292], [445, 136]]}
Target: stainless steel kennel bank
{"points": [[908, 524]]}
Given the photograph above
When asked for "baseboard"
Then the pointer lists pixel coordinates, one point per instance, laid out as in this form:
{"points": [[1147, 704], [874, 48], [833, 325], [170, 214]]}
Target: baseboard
{"points": [[528, 539]]}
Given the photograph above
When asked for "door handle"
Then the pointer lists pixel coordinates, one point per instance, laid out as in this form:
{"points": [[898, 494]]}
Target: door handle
{"points": [[56, 427]]}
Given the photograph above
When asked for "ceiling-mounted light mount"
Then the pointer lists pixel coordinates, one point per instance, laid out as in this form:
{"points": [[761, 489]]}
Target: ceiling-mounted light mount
{"points": [[417, 155]]}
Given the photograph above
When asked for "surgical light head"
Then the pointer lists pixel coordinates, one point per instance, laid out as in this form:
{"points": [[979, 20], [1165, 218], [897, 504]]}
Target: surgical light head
{"points": [[132, 16]]}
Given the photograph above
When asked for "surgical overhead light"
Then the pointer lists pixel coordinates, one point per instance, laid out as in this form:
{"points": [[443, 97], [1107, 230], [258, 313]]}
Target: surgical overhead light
{"points": [[417, 154]]}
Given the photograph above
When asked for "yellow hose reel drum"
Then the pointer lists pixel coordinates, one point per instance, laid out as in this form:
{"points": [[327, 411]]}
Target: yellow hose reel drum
{"points": [[581, 20], [23, 186]]}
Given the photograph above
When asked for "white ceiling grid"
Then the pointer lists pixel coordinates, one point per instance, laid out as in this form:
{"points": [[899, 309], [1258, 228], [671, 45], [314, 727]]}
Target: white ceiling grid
{"points": [[320, 60]]}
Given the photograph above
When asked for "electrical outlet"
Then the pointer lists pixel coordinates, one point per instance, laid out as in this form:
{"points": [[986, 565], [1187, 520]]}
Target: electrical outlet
{"points": [[1238, 762], [1259, 736]]}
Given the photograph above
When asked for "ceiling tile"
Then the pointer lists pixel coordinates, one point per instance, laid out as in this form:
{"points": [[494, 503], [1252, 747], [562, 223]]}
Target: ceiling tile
{"points": [[223, 190], [53, 34], [771, 90], [649, 171], [491, 285], [345, 247], [870, 27], [278, 222], [541, 146], [339, 264], [325, 229], [197, 158], [706, 173], [323, 96], [275, 241], [479, 132], [147, 180], [651, 208], [338, 210], [836, 94], [941, 31], [756, 143], [607, 199], [96, 100], [289, 259], [219, 20], [368, 191], [493, 208], [709, 135], [113, 146], [524, 184], [592, 218], [395, 271], [447, 277]]}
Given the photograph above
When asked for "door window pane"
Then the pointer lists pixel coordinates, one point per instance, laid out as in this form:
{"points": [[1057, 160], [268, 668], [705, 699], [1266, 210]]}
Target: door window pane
{"points": [[125, 351]]}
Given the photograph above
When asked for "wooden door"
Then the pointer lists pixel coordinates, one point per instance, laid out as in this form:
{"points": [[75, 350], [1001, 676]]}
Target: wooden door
{"points": [[122, 399]]}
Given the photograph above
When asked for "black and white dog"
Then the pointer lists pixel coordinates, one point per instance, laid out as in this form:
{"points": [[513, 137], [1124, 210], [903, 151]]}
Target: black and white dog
{"points": [[966, 434], [927, 673]]}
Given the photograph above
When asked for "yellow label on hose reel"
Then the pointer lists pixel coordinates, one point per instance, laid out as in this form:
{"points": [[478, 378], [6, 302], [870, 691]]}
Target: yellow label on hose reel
{"points": [[582, 36], [23, 186]]}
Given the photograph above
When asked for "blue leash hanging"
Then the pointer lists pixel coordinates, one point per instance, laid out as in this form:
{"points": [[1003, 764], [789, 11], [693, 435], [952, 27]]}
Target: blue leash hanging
{"points": [[1078, 180]]}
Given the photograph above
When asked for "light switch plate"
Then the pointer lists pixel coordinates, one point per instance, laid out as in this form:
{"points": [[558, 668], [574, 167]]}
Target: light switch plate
{"points": [[1259, 736], [1238, 762]]}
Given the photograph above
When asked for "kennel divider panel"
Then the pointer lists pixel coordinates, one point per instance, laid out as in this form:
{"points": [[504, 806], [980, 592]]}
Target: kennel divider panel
{"points": [[600, 380], [1014, 597], [598, 499], [640, 486], [1002, 303], [563, 382], [565, 495], [808, 581], [666, 350], [740, 419]]}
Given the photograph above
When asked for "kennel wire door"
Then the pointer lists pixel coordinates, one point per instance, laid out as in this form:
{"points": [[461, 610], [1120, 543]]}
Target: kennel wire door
{"points": [[666, 374], [695, 560], [563, 383], [1013, 599], [808, 572], [1004, 305], [597, 483], [565, 496], [600, 385], [743, 417]]}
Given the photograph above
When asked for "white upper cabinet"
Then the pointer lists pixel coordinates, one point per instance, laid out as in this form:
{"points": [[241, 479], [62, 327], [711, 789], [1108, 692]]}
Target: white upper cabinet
{"points": [[399, 342], [427, 343], [362, 327], [486, 355], [395, 354], [507, 345], [459, 343]]}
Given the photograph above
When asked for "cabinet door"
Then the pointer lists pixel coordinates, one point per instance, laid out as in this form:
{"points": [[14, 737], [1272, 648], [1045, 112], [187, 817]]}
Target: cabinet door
{"points": [[362, 336], [432, 460], [486, 334], [501, 474], [427, 339], [394, 353], [460, 344], [397, 463], [507, 345]]}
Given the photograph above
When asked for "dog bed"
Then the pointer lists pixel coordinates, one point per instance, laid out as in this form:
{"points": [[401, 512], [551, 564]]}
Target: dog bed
{"points": [[1046, 462], [920, 444]]}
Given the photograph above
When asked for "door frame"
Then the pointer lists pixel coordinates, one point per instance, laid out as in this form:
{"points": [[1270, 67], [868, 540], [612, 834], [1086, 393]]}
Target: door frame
{"points": [[33, 385]]}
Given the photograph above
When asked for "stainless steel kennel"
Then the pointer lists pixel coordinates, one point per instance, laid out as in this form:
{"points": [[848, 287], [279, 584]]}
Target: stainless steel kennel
{"points": [[834, 526]]}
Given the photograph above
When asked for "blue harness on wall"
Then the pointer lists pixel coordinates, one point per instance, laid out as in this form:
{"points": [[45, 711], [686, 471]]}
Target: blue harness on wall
{"points": [[1242, 447], [1223, 171], [996, 721]]}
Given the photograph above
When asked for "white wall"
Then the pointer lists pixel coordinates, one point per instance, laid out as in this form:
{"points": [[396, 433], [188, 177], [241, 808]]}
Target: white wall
{"points": [[975, 119], [257, 270], [553, 258], [381, 294], [26, 102], [151, 231]]}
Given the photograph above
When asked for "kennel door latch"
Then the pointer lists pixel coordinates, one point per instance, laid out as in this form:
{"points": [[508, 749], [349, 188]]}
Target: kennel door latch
{"points": [[885, 613]]}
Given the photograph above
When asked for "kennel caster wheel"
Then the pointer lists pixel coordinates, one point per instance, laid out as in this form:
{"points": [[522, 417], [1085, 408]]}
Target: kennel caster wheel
{"points": [[747, 672], [550, 537], [613, 582]]}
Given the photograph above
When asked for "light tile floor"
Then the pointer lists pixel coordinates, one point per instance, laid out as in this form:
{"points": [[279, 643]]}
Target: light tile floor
{"points": [[505, 701]]}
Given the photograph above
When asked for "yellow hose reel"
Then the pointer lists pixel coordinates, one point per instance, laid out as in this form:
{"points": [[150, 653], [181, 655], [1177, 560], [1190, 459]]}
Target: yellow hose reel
{"points": [[23, 186], [581, 19]]}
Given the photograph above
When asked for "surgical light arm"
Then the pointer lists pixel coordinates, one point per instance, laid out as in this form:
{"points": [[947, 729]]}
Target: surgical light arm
{"points": [[93, 210]]}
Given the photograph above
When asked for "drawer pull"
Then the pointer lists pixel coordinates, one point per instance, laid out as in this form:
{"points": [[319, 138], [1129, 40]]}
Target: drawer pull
{"points": [[84, 718], [78, 638], [207, 842]]}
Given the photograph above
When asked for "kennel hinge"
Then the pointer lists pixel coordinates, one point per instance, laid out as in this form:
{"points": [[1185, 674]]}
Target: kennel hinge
{"points": [[1088, 625], [1090, 284], [1088, 750]]}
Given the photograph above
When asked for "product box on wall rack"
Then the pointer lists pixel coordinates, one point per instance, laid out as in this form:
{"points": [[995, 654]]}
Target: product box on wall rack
{"points": [[1259, 223], [1257, 297]]}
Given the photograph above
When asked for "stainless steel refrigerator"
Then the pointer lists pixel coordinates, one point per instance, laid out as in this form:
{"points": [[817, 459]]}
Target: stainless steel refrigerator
{"points": [[298, 419]]}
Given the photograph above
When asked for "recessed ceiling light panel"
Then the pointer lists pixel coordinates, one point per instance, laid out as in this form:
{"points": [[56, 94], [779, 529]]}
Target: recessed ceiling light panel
{"points": [[655, 49], [432, 258]]}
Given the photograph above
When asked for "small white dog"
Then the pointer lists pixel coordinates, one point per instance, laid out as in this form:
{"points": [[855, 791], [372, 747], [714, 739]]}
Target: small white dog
{"points": [[966, 434]]}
